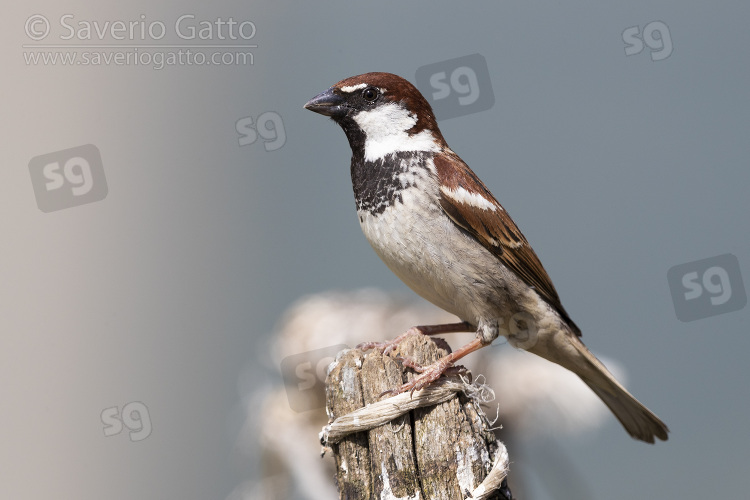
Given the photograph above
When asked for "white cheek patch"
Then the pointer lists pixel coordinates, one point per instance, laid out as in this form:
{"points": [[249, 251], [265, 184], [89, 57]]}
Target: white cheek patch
{"points": [[468, 198], [385, 131], [353, 88]]}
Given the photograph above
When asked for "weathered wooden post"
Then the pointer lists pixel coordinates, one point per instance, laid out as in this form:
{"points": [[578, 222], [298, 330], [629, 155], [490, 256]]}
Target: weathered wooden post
{"points": [[433, 444]]}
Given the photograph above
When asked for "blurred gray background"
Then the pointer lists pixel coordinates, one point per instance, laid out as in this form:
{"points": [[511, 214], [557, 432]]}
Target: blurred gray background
{"points": [[616, 167]]}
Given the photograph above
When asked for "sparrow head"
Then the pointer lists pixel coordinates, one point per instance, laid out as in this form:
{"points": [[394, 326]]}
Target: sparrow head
{"points": [[380, 113]]}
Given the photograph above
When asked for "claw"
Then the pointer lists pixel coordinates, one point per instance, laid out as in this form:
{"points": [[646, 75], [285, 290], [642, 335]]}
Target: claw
{"points": [[410, 363], [392, 392], [384, 347], [366, 346], [389, 345], [429, 374]]}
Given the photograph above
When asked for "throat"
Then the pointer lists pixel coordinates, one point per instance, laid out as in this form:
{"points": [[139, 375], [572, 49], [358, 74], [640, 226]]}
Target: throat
{"points": [[378, 148], [391, 128], [381, 183]]}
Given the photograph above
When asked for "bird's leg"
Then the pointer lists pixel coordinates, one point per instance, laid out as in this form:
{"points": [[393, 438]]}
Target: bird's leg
{"points": [[431, 373], [410, 363], [389, 345]]}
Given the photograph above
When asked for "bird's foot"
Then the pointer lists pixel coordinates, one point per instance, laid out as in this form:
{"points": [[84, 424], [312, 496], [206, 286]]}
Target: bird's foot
{"points": [[389, 345], [428, 374]]}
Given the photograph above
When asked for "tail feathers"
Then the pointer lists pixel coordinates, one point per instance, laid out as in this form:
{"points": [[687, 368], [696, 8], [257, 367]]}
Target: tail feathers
{"points": [[638, 421], [567, 350]]}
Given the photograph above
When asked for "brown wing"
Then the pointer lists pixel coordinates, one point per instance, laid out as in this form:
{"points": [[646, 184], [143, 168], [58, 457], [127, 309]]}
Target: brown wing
{"points": [[468, 202]]}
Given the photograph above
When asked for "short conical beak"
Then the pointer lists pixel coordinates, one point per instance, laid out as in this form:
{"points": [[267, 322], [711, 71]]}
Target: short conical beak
{"points": [[326, 103]]}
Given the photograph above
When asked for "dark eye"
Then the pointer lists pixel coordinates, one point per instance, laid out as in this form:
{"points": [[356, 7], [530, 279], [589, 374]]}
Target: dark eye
{"points": [[370, 94]]}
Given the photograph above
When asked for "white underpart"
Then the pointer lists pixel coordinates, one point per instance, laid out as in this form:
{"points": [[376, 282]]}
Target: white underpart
{"points": [[445, 265], [476, 200], [352, 88], [385, 132]]}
